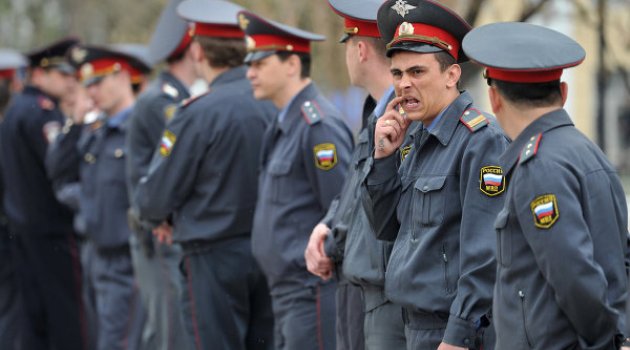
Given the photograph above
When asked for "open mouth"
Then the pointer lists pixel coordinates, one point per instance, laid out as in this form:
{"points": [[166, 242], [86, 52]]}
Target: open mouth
{"points": [[410, 103]]}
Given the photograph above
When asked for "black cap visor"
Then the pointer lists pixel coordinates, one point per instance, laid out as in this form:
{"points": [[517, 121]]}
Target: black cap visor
{"points": [[411, 46], [257, 56]]}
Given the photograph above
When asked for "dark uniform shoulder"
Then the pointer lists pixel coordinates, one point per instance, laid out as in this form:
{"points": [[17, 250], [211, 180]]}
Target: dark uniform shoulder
{"points": [[530, 149], [474, 119], [189, 101]]}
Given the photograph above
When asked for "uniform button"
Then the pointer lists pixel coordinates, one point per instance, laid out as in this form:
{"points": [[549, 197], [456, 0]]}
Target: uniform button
{"points": [[425, 188], [89, 158], [118, 153], [466, 341]]}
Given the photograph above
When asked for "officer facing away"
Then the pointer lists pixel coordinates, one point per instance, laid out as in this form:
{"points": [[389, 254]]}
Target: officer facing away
{"points": [[440, 204], [305, 156], [205, 174], [359, 258], [156, 264], [563, 243], [46, 251]]}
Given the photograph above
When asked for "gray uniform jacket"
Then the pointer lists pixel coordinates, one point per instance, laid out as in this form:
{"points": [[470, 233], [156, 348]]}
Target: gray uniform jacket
{"points": [[304, 163], [152, 110], [562, 242], [353, 243], [441, 216], [205, 172], [103, 200]]}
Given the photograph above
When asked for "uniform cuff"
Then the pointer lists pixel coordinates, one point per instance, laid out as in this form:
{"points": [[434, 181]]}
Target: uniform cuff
{"points": [[383, 169], [330, 248], [460, 332]]}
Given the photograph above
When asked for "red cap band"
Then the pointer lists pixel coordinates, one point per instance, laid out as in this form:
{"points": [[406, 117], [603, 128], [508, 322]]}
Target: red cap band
{"points": [[362, 28], [186, 39], [531, 76], [105, 66], [428, 34], [217, 30], [266, 42], [7, 73]]}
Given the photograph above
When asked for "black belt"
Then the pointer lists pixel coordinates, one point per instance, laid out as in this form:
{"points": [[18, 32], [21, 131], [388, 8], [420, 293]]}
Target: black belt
{"points": [[424, 320]]}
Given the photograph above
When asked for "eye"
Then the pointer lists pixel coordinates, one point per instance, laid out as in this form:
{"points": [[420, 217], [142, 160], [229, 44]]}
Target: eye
{"points": [[396, 74], [416, 71]]}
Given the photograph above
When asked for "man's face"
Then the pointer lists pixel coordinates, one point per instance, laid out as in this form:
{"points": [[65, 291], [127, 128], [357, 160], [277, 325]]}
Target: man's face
{"points": [[352, 60], [424, 87], [268, 77], [59, 84], [107, 92]]}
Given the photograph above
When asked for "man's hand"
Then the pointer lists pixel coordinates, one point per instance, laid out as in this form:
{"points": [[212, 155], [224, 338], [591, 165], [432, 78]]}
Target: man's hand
{"points": [[164, 233], [390, 130], [444, 346], [317, 262]]}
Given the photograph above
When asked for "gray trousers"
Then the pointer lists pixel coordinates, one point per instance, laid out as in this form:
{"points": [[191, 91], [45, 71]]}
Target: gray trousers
{"points": [[384, 328], [426, 331], [350, 317], [226, 302], [118, 307], [305, 318], [157, 273]]}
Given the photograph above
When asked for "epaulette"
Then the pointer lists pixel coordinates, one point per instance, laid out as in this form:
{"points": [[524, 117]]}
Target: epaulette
{"points": [[187, 102], [45, 103], [170, 90], [530, 149], [474, 119], [311, 112]]}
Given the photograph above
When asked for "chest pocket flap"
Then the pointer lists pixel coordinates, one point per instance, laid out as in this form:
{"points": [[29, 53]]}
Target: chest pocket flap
{"points": [[504, 244], [279, 168], [430, 183], [428, 200]]}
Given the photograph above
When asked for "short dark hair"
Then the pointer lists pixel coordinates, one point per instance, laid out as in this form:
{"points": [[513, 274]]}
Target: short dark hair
{"points": [[180, 55], [379, 44], [222, 52], [445, 60], [305, 60], [529, 94]]}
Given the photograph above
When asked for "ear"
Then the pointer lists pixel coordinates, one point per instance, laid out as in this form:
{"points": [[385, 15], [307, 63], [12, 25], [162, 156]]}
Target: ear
{"points": [[363, 50], [453, 73], [196, 51], [294, 65], [564, 91], [496, 101]]}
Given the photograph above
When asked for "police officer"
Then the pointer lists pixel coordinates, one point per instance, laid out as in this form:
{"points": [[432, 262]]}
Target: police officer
{"points": [[204, 174], [358, 257], [10, 63], [156, 263], [46, 254], [440, 205], [563, 232], [103, 202], [306, 152]]}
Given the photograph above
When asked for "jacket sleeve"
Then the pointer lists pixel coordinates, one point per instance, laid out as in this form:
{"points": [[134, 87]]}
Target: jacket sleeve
{"points": [[380, 195], [477, 237]]}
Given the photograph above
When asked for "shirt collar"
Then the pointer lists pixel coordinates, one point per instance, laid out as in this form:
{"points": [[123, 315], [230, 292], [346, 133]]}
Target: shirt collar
{"points": [[119, 118], [293, 108], [229, 76], [444, 125]]}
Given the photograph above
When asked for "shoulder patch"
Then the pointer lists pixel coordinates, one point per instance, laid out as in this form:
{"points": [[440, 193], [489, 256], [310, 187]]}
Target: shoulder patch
{"points": [[170, 90], [45, 103], [325, 156], [169, 111], [545, 210], [311, 112], [530, 149], [404, 152], [474, 120], [491, 180], [167, 143]]}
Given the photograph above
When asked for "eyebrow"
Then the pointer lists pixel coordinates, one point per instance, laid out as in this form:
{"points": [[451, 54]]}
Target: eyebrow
{"points": [[396, 70]]}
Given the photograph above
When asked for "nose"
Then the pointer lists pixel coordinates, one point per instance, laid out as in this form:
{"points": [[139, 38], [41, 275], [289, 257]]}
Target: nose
{"points": [[251, 74], [404, 82]]}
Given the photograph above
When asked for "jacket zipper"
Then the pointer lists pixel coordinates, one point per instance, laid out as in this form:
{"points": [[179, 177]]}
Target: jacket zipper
{"points": [[522, 296], [445, 258]]}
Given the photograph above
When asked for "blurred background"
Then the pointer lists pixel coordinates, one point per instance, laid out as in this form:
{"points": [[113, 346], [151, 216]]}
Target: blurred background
{"points": [[599, 100]]}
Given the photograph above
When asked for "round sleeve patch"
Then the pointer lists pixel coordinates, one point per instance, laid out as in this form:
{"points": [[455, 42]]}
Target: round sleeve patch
{"points": [[491, 180], [325, 156]]}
